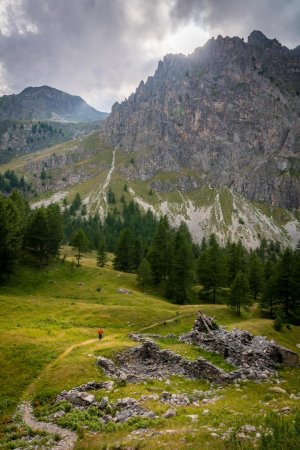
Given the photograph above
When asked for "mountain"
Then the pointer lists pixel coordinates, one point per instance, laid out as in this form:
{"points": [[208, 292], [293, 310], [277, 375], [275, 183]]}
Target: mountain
{"points": [[226, 116], [47, 103], [212, 139]]}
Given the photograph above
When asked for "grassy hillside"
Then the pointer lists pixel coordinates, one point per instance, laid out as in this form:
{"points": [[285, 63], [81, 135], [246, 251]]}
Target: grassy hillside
{"points": [[49, 322]]}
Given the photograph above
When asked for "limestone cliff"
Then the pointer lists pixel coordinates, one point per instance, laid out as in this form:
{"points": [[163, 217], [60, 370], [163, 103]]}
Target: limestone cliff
{"points": [[230, 112]]}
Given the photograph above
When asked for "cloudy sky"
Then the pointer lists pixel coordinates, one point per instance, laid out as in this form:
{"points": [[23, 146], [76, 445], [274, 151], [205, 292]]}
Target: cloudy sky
{"points": [[102, 49]]}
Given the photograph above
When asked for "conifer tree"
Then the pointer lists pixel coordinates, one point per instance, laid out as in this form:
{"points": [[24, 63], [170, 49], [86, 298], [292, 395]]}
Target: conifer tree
{"points": [[286, 282], [80, 243], [269, 298], [255, 275], [10, 238], [236, 260], [37, 234], [101, 253], [158, 254], [125, 252], [54, 230], [239, 293], [211, 268], [183, 266], [144, 274]]}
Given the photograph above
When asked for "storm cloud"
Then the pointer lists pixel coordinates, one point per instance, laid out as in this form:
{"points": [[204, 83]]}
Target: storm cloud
{"points": [[101, 49]]}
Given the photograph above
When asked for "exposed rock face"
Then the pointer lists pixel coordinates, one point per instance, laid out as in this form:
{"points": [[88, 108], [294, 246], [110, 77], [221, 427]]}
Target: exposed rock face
{"points": [[230, 112], [238, 346], [47, 103]]}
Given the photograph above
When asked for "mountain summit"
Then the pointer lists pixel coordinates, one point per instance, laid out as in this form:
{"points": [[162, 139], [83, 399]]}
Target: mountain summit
{"points": [[229, 113], [47, 103]]}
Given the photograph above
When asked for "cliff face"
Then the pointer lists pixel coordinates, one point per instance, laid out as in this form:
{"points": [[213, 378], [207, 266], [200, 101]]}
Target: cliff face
{"points": [[47, 103], [230, 112]]}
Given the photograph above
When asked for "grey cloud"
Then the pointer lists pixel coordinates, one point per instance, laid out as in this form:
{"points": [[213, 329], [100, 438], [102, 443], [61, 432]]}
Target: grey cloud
{"points": [[275, 18], [101, 49], [82, 46]]}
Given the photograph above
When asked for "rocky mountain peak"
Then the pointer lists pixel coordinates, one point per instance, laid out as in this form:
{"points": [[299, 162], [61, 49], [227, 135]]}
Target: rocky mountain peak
{"points": [[259, 40], [229, 112]]}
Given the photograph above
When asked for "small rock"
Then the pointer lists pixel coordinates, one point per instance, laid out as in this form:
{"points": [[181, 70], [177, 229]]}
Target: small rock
{"points": [[123, 291], [248, 429], [103, 402], [294, 397], [285, 410], [205, 412], [278, 390], [58, 414], [89, 399], [214, 435], [171, 412], [242, 436], [193, 417]]}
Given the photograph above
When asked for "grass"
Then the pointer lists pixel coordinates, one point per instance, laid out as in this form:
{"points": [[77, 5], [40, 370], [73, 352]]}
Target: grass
{"points": [[49, 343]]}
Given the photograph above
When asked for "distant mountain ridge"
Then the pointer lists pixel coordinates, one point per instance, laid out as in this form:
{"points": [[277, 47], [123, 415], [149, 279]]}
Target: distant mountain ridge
{"points": [[47, 103], [229, 113]]}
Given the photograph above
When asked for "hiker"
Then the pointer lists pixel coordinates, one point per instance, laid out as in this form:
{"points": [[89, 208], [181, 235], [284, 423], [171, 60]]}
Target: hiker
{"points": [[100, 333]]}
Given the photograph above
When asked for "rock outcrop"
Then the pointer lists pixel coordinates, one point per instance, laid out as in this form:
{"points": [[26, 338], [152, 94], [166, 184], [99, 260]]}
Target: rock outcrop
{"points": [[239, 347], [229, 112]]}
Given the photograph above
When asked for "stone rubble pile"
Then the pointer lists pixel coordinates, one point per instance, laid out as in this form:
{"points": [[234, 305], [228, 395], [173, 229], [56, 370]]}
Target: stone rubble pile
{"points": [[239, 347], [149, 361]]}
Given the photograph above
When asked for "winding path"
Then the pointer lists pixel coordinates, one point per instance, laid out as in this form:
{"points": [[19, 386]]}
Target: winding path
{"points": [[68, 438]]}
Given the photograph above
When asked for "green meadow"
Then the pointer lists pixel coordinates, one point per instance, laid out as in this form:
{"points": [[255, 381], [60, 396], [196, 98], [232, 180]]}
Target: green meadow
{"points": [[48, 322]]}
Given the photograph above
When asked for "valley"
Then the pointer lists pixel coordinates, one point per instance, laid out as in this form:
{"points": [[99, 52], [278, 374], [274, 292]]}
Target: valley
{"points": [[49, 324]]}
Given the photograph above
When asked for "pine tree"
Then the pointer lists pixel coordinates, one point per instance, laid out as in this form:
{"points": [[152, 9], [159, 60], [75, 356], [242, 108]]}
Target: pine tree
{"points": [[236, 260], [211, 268], [54, 230], [10, 237], [158, 254], [286, 282], [255, 275], [144, 274], [80, 243], [125, 252], [111, 199], [101, 253], [183, 266], [239, 293], [269, 299], [37, 234]]}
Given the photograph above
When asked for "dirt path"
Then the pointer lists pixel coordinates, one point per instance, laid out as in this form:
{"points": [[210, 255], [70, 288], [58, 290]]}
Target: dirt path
{"points": [[68, 438], [165, 321]]}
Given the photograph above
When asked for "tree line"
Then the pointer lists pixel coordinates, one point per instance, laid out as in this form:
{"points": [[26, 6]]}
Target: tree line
{"points": [[163, 257]]}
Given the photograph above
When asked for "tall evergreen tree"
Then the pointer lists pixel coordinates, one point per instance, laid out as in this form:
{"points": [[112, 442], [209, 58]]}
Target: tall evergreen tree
{"points": [[144, 274], [10, 237], [125, 252], [269, 298], [54, 230], [158, 254], [101, 253], [211, 268], [239, 293], [236, 260], [37, 234], [183, 266], [286, 282], [255, 275], [80, 243]]}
